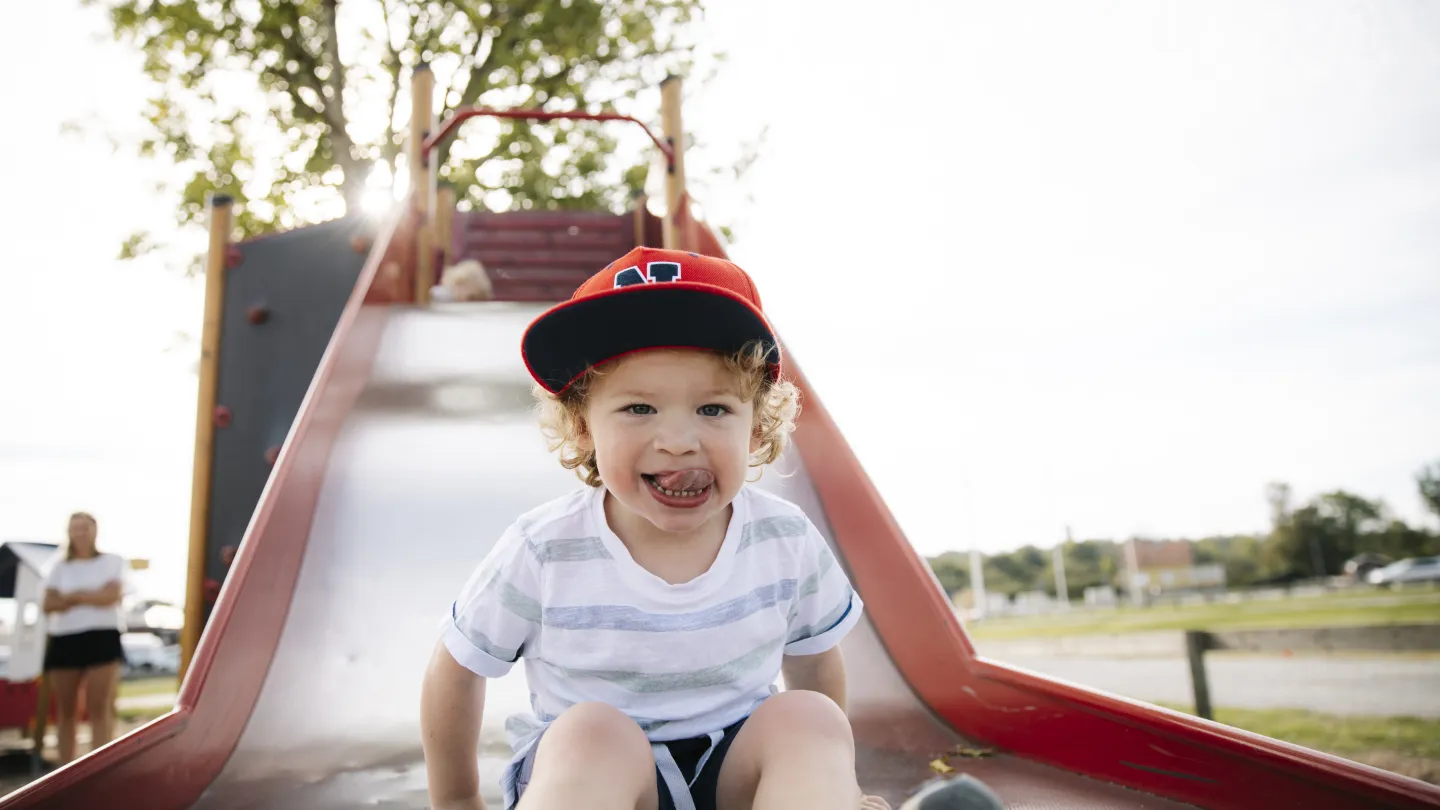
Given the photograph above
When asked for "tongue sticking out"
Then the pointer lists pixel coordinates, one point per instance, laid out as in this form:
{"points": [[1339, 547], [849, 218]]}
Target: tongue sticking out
{"points": [[685, 480]]}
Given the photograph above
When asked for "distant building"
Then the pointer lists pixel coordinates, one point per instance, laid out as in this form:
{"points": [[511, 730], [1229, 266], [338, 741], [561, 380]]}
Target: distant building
{"points": [[1167, 566]]}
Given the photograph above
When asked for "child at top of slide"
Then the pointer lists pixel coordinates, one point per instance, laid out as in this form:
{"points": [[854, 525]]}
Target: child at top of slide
{"points": [[655, 606]]}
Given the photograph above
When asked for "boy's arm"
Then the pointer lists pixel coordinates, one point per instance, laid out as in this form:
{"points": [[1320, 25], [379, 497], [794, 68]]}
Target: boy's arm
{"points": [[452, 701], [823, 672]]}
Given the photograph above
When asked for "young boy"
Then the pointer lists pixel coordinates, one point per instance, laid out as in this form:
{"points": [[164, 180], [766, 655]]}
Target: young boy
{"points": [[655, 607]]}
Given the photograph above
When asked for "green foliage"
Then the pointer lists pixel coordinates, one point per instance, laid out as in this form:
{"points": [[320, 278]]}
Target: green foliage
{"points": [[953, 570], [1242, 556], [1088, 563], [1317, 539], [289, 105], [1428, 480]]}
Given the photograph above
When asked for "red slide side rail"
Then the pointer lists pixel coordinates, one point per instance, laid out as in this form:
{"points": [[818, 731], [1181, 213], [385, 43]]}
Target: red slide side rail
{"points": [[1102, 736]]}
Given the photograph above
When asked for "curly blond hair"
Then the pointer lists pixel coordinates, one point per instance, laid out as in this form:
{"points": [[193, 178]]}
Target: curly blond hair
{"points": [[777, 404]]}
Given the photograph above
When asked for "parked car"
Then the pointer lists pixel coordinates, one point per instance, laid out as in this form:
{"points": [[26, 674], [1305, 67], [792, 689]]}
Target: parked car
{"points": [[148, 654], [1415, 569], [1358, 568]]}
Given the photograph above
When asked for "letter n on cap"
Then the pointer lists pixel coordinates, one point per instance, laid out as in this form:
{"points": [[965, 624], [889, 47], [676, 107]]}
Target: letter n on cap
{"points": [[655, 272]]}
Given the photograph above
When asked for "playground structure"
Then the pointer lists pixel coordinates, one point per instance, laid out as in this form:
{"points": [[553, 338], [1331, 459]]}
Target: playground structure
{"points": [[357, 448]]}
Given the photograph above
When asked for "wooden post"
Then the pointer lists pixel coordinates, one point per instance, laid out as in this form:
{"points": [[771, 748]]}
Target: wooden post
{"points": [[221, 219], [422, 177], [1196, 642], [445, 225], [424, 262], [639, 217], [422, 115], [670, 99]]}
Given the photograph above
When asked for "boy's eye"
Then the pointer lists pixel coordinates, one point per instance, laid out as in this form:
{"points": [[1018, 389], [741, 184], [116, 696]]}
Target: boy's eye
{"points": [[639, 409], [713, 410]]}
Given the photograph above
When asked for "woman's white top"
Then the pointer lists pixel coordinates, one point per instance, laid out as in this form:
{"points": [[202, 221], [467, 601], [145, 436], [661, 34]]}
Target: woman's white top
{"points": [[90, 574]]}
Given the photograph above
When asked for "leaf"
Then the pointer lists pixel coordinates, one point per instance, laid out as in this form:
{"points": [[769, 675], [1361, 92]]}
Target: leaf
{"points": [[940, 766]]}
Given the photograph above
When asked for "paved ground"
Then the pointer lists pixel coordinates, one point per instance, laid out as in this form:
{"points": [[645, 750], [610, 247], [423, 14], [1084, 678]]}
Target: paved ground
{"points": [[1379, 685]]}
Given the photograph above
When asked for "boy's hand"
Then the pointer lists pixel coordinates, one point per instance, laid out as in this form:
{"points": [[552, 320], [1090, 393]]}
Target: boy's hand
{"points": [[873, 803]]}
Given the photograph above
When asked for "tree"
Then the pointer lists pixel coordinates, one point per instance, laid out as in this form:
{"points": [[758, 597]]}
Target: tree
{"points": [[294, 106], [1277, 494], [953, 570], [1428, 480], [1320, 536], [1240, 554]]}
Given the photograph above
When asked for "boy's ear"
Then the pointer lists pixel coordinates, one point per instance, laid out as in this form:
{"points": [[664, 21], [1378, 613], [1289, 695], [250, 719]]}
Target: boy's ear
{"points": [[756, 440], [582, 436]]}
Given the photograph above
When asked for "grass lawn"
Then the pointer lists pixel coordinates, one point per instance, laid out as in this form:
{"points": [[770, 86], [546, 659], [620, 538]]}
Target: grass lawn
{"points": [[1344, 735], [149, 686], [1342, 608], [1405, 745]]}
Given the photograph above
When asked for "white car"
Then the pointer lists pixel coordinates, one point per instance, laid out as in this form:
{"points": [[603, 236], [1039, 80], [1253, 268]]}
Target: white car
{"points": [[147, 654], [1415, 569]]}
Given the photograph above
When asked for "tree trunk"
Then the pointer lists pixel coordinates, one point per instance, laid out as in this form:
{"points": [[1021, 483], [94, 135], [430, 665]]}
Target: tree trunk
{"points": [[353, 188]]}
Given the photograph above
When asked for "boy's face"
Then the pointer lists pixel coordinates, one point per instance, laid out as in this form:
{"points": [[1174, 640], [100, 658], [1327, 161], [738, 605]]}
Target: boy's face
{"points": [[672, 438]]}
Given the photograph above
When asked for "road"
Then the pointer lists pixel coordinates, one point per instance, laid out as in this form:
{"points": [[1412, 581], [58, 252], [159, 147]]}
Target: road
{"points": [[1378, 685]]}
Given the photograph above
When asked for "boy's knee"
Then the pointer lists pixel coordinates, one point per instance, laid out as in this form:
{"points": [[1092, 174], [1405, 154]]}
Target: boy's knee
{"points": [[602, 730], [806, 714]]}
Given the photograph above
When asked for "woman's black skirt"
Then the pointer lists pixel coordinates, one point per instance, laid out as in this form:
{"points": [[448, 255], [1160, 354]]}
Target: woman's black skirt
{"points": [[91, 648]]}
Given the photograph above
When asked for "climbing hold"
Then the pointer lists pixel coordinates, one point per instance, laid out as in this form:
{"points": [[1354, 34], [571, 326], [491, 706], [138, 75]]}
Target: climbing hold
{"points": [[222, 416], [271, 454], [227, 554], [360, 243], [233, 257], [257, 315], [212, 589]]}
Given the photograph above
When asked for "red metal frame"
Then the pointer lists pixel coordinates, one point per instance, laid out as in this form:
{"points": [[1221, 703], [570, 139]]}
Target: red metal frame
{"points": [[461, 116]]}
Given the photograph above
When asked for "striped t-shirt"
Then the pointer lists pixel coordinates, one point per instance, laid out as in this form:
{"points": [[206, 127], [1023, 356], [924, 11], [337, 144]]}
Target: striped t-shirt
{"points": [[560, 590]]}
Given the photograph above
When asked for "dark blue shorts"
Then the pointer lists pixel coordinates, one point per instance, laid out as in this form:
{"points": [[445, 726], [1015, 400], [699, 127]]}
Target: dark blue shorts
{"points": [[687, 754]]}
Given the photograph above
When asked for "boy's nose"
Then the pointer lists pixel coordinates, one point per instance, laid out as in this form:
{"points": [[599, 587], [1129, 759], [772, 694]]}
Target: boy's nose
{"points": [[676, 440]]}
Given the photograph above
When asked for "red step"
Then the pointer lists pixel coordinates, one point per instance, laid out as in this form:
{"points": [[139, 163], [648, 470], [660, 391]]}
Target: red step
{"points": [[541, 255]]}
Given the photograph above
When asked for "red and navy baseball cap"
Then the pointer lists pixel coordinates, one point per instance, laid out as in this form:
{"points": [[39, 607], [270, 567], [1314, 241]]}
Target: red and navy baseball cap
{"points": [[648, 299]]}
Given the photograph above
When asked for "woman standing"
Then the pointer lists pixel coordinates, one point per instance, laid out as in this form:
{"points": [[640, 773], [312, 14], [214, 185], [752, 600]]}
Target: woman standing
{"points": [[83, 592]]}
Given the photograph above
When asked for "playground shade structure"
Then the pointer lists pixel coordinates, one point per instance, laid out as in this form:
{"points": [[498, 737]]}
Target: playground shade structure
{"points": [[415, 445]]}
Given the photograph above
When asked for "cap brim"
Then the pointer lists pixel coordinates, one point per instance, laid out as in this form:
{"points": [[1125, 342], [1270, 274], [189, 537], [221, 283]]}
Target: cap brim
{"points": [[570, 337]]}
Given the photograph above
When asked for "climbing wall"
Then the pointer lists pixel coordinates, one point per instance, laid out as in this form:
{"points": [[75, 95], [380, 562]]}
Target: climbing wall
{"points": [[283, 296]]}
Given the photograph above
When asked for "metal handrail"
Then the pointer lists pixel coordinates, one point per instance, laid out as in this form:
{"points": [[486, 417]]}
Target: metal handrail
{"points": [[461, 116]]}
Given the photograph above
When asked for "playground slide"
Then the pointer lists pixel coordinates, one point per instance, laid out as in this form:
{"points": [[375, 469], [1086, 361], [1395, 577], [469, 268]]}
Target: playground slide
{"points": [[413, 449]]}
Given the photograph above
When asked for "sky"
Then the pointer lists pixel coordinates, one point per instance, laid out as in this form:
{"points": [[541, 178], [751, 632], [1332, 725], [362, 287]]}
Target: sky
{"points": [[1110, 266]]}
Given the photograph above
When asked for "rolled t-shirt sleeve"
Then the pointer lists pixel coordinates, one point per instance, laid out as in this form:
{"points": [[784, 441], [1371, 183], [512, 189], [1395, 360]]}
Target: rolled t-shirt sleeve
{"points": [[826, 606], [498, 609]]}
